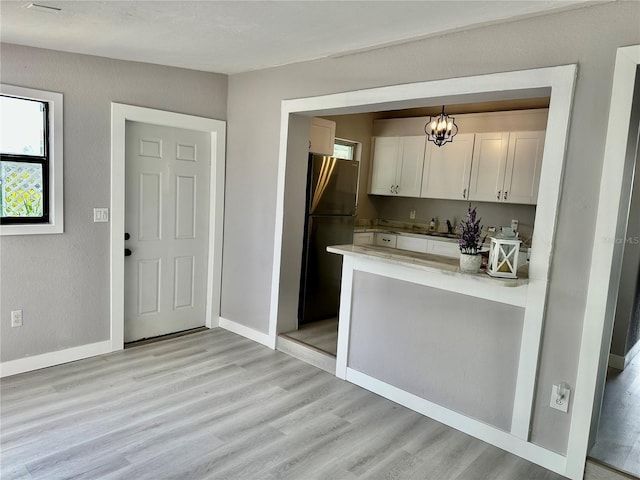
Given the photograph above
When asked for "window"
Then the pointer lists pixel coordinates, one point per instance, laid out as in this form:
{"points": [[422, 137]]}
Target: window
{"points": [[344, 149], [30, 161]]}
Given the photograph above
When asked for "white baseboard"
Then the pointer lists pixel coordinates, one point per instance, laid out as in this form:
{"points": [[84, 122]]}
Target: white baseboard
{"points": [[501, 439], [307, 354], [635, 350], [616, 361], [619, 362], [50, 359], [246, 332]]}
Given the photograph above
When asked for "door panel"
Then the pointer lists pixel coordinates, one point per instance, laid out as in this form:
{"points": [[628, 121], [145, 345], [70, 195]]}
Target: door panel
{"points": [[447, 168], [167, 216], [384, 163], [488, 167], [522, 177], [409, 177]]}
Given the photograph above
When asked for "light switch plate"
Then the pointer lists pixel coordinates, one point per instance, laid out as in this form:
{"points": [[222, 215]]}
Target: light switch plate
{"points": [[100, 215]]}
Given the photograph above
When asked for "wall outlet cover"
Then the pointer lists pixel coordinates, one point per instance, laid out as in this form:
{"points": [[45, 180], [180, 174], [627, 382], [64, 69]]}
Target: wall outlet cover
{"points": [[16, 318], [560, 401]]}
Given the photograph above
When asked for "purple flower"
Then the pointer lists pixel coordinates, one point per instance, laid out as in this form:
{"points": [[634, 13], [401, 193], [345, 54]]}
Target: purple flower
{"points": [[470, 231]]}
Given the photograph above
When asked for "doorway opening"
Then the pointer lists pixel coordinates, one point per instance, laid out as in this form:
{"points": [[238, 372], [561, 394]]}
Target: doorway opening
{"points": [[615, 436], [215, 135]]}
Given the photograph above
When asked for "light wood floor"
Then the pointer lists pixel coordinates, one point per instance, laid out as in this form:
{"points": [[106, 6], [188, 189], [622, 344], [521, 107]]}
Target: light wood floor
{"points": [[618, 440], [323, 335], [216, 405]]}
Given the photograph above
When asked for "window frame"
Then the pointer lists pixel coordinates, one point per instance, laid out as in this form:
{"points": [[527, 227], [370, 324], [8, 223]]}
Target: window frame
{"points": [[53, 177]]}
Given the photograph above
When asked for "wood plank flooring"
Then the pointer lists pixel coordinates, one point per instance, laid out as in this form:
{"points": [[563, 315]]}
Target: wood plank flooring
{"points": [[218, 406], [618, 439], [322, 335]]}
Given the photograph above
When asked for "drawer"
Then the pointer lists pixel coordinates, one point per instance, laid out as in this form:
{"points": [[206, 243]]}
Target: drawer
{"points": [[386, 240], [446, 249], [363, 238], [411, 243]]}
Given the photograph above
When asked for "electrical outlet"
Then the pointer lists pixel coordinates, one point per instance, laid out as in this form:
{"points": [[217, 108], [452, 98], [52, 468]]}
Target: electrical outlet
{"points": [[412, 215], [560, 397], [16, 318]]}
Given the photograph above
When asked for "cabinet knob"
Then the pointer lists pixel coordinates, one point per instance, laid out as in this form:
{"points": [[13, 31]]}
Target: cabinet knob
{"points": [[505, 194], [391, 189], [499, 192], [464, 193]]}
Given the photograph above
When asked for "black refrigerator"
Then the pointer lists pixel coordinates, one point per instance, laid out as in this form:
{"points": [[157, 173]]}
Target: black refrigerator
{"points": [[332, 185]]}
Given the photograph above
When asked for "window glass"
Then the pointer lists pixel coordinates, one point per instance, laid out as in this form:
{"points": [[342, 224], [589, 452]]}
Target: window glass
{"points": [[22, 126], [343, 151], [22, 189]]}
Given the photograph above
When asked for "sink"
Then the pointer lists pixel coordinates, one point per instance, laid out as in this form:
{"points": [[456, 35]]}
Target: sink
{"points": [[444, 235]]}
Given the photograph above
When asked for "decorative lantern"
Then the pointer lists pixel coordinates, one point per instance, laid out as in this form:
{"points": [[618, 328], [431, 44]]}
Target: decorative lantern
{"points": [[503, 257]]}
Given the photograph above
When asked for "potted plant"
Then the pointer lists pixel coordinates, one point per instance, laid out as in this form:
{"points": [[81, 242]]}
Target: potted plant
{"points": [[470, 230]]}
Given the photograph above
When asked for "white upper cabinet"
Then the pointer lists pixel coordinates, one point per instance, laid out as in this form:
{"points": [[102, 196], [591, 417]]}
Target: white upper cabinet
{"points": [[385, 161], [524, 162], [489, 163], [506, 167], [409, 172], [397, 166], [447, 169], [322, 136]]}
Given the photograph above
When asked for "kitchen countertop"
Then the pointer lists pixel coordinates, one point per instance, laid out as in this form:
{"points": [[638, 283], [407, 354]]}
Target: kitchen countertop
{"points": [[429, 263], [443, 237]]}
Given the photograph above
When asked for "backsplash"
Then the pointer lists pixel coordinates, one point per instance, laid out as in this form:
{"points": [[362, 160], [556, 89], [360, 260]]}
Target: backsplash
{"points": [[395, 212]]}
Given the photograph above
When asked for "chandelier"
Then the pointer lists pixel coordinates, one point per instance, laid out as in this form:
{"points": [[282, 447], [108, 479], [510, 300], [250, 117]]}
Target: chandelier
{"points": [[441, 129]]}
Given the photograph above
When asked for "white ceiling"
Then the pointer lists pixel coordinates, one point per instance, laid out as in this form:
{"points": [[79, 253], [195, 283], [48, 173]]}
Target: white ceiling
{"points": [[237, 36]]}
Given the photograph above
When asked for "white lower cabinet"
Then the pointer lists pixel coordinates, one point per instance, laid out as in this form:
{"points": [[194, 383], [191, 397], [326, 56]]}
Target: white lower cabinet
{"points": [[445, 249], [417, 244], [386, 239], [412, 244], [363, 238]]}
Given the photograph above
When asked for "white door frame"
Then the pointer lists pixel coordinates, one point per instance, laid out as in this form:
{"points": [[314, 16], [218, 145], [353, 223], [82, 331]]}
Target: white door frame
{"points": [[606, 257], [120, 113], [558, 82]]}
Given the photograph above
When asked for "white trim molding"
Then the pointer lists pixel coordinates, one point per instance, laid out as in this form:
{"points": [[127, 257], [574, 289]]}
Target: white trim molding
{"points": [[120, 114], [56, 162], [558, 83], [51, 359], [245, 331], [475, 428], [606, 263]]}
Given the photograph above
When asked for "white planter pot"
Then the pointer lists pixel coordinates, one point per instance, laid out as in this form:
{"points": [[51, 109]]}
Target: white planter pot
{"points": [[470, 263]]}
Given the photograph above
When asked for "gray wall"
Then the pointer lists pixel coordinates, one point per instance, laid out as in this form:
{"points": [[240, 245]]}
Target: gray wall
{"points": [[62, 281], [588, 37], [434, 344], [626, 328]]}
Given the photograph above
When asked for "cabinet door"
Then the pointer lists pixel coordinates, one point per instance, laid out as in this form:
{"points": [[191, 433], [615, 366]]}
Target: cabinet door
{"points": [[385, 239], [412, 244], [488, 166], [524, 159], [363, 238], [445, 249], [383, 170], [447, 168], [322, 136], [409, 168]]}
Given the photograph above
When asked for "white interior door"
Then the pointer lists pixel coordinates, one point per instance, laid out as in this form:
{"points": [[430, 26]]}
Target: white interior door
{"points": [[167, 218]]}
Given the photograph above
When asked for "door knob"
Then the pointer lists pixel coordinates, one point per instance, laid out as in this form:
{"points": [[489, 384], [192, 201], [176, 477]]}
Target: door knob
{"points": [[126, 236], [127, 252]]}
